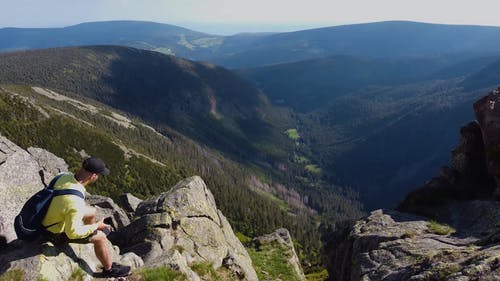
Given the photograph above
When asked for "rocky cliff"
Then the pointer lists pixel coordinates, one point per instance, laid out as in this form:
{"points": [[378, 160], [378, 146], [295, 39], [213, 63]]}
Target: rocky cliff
{"points": [[179, 229], [446, 230]]}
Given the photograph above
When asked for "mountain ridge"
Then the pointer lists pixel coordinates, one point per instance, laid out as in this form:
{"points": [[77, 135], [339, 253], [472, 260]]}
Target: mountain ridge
{"points": [[378, 39]]}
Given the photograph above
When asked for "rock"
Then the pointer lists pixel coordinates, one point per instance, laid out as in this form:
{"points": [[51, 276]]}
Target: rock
{"points": [[282, 237], [20, 178], [106, 207], [183, 226], [129, 202], [487, 112], [466, 179], [47, 261], [50, 164], [389, 245]]}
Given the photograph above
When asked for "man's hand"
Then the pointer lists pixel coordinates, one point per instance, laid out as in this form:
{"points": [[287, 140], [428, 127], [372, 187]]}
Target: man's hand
{"points": [[101, 225]]}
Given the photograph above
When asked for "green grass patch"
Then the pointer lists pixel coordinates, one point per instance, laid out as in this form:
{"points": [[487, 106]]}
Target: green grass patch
{"points": [[13, 275], [317, 276], [160, 274], [206, 271], [313, 169], [270, 262], [243, 238], [77, 275], [293, 134], [300, 159], [441, 229]]}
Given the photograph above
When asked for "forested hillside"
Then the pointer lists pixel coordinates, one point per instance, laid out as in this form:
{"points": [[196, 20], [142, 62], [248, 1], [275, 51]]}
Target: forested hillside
{"points": [[380, 126], [203, 101]]}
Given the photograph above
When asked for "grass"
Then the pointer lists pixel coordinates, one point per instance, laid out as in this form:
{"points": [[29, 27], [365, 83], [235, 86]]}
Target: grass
{"points": [[441, 229], [160, 274], [313, 169], [300, 159], [206, 271], [317, 276], [270, 262], [77, 275], [293, 134], [12, 275], [243, 238]]}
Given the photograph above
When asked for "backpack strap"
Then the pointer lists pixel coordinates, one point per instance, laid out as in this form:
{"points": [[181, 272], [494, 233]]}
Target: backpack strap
{"points": [[54, 180], [60, 192]]}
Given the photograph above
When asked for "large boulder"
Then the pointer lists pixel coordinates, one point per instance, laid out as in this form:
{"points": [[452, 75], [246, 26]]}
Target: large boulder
{"points": [[389, 245], [46, 261], [183, 227], [22, 174]]}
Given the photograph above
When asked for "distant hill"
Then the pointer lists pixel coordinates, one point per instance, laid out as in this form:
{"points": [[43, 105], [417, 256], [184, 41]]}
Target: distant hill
{"points": [[164, 38], [372, 40], [310, 84], [202, 101], [375, 40]]}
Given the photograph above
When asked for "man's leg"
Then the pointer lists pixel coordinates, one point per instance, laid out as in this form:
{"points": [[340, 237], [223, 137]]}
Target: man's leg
{"points": [[90, 214], [101, 249]]}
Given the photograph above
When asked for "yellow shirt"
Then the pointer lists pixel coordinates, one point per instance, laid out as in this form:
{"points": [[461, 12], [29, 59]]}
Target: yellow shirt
{"points": [[68, 210]]}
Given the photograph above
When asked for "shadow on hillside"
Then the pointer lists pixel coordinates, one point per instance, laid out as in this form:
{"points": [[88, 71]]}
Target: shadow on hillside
{"points": [[19, 250]]}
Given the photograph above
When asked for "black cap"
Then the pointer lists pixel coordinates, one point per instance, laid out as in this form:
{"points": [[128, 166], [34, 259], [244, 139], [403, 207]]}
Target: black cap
{"points": [[95, 165]]}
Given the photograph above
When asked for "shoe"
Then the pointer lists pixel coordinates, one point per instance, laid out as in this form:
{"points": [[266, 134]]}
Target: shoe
{"points": [[117, 270]]}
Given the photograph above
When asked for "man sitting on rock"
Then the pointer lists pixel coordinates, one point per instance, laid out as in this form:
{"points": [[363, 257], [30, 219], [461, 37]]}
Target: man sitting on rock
{"points": [[70, 219]]}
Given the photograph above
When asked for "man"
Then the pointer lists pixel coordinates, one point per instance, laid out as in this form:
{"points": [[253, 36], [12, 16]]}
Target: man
{"points": [[69, 219]]}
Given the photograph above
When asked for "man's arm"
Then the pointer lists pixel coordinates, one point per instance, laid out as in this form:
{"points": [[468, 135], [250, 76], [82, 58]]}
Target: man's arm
{"points": [[74, 227]]}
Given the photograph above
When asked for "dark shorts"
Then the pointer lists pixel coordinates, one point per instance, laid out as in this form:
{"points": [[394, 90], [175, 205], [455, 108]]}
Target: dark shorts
{"points": [[61, 238]]}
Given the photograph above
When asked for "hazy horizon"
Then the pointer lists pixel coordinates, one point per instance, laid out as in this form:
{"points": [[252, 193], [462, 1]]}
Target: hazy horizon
{"points": [[227, 17]]}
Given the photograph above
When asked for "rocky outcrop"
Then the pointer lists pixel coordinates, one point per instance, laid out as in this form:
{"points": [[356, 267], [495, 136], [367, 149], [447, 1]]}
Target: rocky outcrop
{"points": [[457, 235], [22, 173], [389, 245], [46, 261], [487, 112], [281, 238], [183, 227], [466, 179]]}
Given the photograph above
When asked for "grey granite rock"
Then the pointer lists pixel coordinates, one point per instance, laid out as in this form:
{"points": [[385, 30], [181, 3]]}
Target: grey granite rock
{"points": [[106, 207], [389, 245], [183, 227], [20, 178], [46, 261], [129, 202]]}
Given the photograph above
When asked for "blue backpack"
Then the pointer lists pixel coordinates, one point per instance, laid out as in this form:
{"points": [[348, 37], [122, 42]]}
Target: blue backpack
{"points": [[28, 224]]}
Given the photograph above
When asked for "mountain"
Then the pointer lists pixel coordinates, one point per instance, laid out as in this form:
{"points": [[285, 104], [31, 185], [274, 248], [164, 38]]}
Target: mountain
{"points": [[165, 38], [371, 40], [202, 101]]}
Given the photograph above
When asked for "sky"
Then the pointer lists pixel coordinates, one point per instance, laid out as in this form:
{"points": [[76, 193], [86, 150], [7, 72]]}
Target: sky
{"points": [[232, 16]]}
